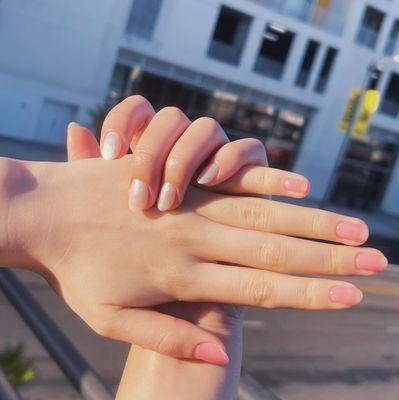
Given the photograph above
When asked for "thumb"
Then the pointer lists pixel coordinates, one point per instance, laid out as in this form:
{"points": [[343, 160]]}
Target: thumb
{"points": [[167, 335], [81, 143]]}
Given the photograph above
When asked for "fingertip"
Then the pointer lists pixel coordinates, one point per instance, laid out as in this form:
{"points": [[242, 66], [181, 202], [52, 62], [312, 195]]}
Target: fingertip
{"points": [[297, 187], [211, 353], [167, 197], [209, 175]]}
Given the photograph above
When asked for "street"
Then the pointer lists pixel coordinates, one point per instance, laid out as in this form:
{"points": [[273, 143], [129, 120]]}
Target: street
{"points": [[350, 354]]}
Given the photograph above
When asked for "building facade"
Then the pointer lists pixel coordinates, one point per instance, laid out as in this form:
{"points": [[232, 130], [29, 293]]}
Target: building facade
{"points": [[278, 70]]}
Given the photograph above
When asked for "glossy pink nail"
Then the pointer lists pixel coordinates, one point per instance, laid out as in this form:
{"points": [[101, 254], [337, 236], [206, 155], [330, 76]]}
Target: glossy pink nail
{"points": [[167, 197], [211, 353], [111, 146], [139, 195], [297, 185], [356, 232], [209, 174], [371, 261], [349, 296]]}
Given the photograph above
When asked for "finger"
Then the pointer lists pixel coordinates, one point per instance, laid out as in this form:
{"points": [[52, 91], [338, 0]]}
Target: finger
{"points": [[230, 159], [81, 143], [124, 125], [200, 140], [164, 334], [265, 181], [285, 219], [246, 286], [150, 155], [289, 255]]}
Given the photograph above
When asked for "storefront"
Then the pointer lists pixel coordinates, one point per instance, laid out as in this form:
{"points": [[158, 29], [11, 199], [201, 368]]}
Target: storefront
{"points": [[366, 171]]}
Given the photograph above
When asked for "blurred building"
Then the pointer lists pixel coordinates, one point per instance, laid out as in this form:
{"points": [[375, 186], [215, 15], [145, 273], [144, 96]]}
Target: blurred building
{"points": [[278, 70]]}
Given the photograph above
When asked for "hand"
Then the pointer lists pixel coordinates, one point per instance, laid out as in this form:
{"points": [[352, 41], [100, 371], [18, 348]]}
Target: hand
{"points": [[168, 150], [327, 220]]}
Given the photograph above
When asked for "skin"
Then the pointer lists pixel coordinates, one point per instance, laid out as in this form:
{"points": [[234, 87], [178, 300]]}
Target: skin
{"points": [[168, 150], [147, 374], [96, 229]]}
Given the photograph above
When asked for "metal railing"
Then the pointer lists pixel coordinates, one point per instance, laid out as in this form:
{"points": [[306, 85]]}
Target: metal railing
{"points": [[74, 366], [7, 390]]}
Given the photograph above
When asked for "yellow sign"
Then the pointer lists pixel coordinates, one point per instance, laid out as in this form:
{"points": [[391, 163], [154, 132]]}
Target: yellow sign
{"points": [[350, 110], [370, 104]]}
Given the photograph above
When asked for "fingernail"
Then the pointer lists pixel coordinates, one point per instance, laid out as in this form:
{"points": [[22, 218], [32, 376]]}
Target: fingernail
{"points": [[348, 296], [139, 195], [111, 146], [167, 197], [209, 174], [352, 231], [297, 185], [371, 261], [211, 353], [72, 124]]}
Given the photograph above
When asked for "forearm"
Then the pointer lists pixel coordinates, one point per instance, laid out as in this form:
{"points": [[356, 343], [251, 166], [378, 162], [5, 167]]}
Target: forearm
{"points": [[149, 375]]}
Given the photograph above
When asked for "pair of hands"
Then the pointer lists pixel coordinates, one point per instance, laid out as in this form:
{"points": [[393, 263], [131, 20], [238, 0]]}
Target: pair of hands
{"points": [[136, 265]]}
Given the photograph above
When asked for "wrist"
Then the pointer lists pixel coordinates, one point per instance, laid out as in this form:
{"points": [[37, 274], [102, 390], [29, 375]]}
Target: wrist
{"points": [[22, 230]]}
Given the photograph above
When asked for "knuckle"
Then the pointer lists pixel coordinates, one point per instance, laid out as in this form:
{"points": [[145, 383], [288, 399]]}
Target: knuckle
{"points": [[208, 124], [137, 99], [165, 343], [334, 261], [174, 113], [176, 282], [255, 215], [271, 255], [259, 293], [317, 225], [310, 294]]}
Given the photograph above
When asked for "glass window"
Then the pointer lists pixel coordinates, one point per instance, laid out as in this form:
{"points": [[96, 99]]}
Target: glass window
{"points": [[274, 51], [370, 27], [364, 174], [307, 63], [392, 42], [326, 69], [390, 100], [229, 37], [143, 18]]}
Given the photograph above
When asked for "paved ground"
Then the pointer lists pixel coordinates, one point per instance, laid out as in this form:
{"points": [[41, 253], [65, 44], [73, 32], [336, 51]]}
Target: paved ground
{"points": [[299, 355], [336, 355]]}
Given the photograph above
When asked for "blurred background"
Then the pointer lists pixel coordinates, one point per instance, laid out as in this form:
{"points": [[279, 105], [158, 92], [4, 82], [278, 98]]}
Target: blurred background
{"points": [[287, 72]]}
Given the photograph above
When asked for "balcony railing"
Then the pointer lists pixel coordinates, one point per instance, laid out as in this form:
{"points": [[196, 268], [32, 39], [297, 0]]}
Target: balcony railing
{"points": [[81, 375]]}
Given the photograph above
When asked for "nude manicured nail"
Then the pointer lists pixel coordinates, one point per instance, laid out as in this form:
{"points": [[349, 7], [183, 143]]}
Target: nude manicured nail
{"points": [[209, 174], [139, 195], [111, 146], [348, 296], [297, 185], [371, 261], [167, 197], [356, 232], [211, 353], [72, 124]]}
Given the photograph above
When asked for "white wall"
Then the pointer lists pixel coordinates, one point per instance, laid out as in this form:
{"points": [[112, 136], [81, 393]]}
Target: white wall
{"points": [[56, 49]]}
